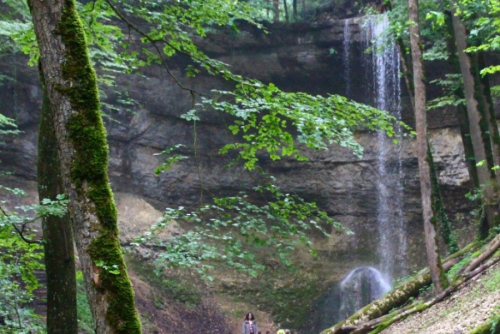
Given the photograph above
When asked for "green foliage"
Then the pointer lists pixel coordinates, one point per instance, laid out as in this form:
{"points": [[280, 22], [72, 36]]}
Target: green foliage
{"points": [[110, 268], [20, 256], [170, 158], [18, 263], [265, 115], [450, 85], [85, 321], [483, 19], [453, 271], [225, 230]]}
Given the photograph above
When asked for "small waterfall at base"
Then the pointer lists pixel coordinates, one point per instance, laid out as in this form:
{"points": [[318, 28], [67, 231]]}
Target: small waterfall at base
{"points": [[359, 288]]}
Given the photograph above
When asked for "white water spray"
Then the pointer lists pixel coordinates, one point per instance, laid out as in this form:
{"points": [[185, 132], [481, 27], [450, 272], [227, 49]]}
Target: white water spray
{"points": [[387, 90]]}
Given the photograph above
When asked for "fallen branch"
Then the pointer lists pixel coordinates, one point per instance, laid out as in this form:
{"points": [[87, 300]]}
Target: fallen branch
{"points": [[491, 248]]}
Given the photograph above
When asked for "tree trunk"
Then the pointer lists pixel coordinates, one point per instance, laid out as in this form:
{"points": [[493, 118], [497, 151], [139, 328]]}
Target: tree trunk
{"points": [[441, 217], [57, 234], [276, 10], [483, 83], [463, 119], [433, 259], [81, 137], [285, 7], [295, 13], [483, 172]]}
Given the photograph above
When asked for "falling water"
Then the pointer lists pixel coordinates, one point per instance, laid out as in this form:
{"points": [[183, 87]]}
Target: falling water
{"points": [[387, 91], [347, 64], [381, 69], [359, 288]]}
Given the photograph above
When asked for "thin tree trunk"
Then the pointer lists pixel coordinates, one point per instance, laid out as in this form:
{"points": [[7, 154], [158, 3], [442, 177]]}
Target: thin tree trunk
{"points": [[303, 9], [441, 217], [57, 234], [433, 259], [276, 10], [285, 6], [81, 137], [461, 110], [295, 13], [483, 172], [489, 110]]}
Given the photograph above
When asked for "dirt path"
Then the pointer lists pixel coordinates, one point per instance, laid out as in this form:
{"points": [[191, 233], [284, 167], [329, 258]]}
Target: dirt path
{"points": [[467, 308]]}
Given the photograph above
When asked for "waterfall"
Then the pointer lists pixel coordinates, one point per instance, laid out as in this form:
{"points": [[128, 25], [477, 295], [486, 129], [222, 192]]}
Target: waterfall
{"points": [[359, 288], [380, 70], [387, 96], [347, 64]]}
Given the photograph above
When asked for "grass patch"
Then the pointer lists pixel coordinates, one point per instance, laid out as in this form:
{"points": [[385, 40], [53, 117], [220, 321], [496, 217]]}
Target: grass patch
{"points": [[493, 282]]}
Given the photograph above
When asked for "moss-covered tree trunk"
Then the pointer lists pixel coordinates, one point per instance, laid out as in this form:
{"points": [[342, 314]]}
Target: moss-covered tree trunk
{"points": [[71, 87], [57, 234], [484, 91], [441, 217], [433, 258], [473, 113]]}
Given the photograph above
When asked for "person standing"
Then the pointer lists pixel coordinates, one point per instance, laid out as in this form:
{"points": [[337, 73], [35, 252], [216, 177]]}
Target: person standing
{"points": [[249, 324]]}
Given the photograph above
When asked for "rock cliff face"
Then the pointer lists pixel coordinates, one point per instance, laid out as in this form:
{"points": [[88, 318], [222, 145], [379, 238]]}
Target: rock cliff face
{"points": [[302, 57]]}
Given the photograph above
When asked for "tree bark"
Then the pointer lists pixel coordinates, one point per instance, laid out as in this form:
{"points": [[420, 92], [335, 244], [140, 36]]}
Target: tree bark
{"points": [[285, 8], [71, 87], [461, 110], [276, 4], [57, 234], [484, 175], [433, 259], [483, 84], [441, 217], [295, 13]]}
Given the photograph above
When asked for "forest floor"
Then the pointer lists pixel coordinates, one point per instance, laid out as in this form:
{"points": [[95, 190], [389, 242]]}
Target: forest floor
{"points": [[472, 305]]}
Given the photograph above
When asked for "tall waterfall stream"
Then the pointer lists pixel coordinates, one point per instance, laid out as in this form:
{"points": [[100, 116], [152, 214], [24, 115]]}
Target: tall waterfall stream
{"points": [[365, 284]]}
